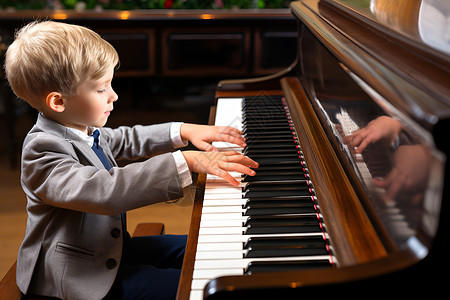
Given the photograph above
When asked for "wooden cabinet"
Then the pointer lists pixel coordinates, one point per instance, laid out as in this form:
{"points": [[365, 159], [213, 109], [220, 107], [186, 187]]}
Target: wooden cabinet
{"points": [[205, 51], [185, 43]]}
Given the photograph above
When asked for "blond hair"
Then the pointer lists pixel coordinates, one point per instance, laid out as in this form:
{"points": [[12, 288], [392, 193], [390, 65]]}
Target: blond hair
{"points": [[50, 56]]}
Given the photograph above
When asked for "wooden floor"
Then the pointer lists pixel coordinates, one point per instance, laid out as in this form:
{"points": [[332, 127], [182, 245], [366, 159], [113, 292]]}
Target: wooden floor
{"points": [[13, 202]]}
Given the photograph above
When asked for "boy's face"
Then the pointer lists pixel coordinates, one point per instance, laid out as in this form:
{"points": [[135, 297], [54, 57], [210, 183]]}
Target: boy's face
{"points": [[92, 105]]}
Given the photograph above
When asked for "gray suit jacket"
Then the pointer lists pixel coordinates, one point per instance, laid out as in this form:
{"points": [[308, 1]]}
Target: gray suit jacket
{"points": [[73, 242]]}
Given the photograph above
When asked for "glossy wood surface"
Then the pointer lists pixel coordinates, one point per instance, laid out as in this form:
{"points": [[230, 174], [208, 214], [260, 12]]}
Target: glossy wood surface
{"points": [[414, 80], [184, 286], [352, 234]]}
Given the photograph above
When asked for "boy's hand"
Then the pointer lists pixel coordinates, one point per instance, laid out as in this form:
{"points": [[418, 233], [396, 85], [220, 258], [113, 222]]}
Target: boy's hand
{"points": [[201, 136], [220, 163]]}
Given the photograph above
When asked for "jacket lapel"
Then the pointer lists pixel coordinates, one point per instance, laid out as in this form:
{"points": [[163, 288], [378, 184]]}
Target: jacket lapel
{"points": [[60, 130]]}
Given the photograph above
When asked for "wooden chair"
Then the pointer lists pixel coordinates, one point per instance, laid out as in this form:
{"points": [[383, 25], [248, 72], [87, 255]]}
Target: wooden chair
{"points": [[8, 286]]}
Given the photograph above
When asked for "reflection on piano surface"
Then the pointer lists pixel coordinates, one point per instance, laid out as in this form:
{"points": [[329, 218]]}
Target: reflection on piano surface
{"points": [[352, 183]]}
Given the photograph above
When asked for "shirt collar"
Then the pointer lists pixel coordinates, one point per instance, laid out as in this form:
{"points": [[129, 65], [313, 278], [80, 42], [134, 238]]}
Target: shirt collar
{"points": [[88, 138]]}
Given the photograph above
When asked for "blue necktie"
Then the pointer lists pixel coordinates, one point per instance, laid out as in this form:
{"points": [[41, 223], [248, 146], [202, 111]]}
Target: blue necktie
{"points": [[108, 165], [99, 151]]}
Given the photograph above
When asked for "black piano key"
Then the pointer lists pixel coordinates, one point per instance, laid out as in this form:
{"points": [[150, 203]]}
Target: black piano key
{"points": [[274, 193], [255, 133], [264, 122], [281, 156], [288, 140], [299, 199], [274, 161], [269, 130], [257, 123], [284, 266], [282, 224], [264, 185], [270, 176], [276, 185], [275, 151], [269, 211], [283, 220], [285, 241], [282, 165], [254, 204], [269, 146], [286, 135], [259, 252], [286, 159]]}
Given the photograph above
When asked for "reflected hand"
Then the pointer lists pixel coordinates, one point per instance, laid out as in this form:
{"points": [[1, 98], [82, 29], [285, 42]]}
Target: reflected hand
{"points": [[381, 128]]}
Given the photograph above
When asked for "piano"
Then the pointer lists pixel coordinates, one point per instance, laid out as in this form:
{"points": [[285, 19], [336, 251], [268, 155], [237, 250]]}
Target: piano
{"points": [[352, 141]]}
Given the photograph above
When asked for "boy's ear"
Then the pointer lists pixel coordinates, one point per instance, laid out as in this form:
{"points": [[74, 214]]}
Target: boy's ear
{"points": [[55, 102]]}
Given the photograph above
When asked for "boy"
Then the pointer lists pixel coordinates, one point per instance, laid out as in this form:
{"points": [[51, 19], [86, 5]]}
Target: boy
{"points": [[76, 245]]}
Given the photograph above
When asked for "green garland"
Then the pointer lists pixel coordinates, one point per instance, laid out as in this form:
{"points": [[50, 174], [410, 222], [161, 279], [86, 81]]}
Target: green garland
{"points": [[144, 4]]}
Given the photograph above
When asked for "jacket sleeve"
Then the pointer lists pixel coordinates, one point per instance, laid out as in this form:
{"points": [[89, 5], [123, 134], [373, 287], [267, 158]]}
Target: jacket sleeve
{"points": [[52, 173], [138, 141]]}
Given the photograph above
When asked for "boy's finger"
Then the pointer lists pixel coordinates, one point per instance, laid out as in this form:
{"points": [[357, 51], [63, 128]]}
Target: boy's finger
{"points": [[244, 160], [228, 178]]}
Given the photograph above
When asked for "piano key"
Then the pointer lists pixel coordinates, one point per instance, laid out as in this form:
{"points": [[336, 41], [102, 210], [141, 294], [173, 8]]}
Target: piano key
{"points": [[223, 216], [284, 241], [213, 273], [279, 266], [222, 209], [212, 195], [199, 284], [196, 295], [224, 202], [230, 254], [220, 246], [221, 223], [299, 191], [214, 178], [234, 264], [254, 252], [221, 230], [289, 220], [211, 238], [229, 112], [250, 211]]}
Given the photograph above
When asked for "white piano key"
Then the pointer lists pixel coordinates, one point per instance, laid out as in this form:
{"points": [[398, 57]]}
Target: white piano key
{"points": [[220, 223], [196, 295], [219, 246], [235, 254], [214, 178], [222, 196], [224, 216], [222, 209], [224, 202], [213, 273], [224, 190], [213, 185], [218, 230], [199, 284], [229, 112]]}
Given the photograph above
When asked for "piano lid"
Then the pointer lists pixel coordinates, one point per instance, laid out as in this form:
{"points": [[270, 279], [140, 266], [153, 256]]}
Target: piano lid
{"points": [[426, 22], [385, 110], [412, 75]]}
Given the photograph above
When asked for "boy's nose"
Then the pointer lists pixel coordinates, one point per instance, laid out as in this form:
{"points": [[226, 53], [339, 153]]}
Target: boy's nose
{"points": [[114, 97]]}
